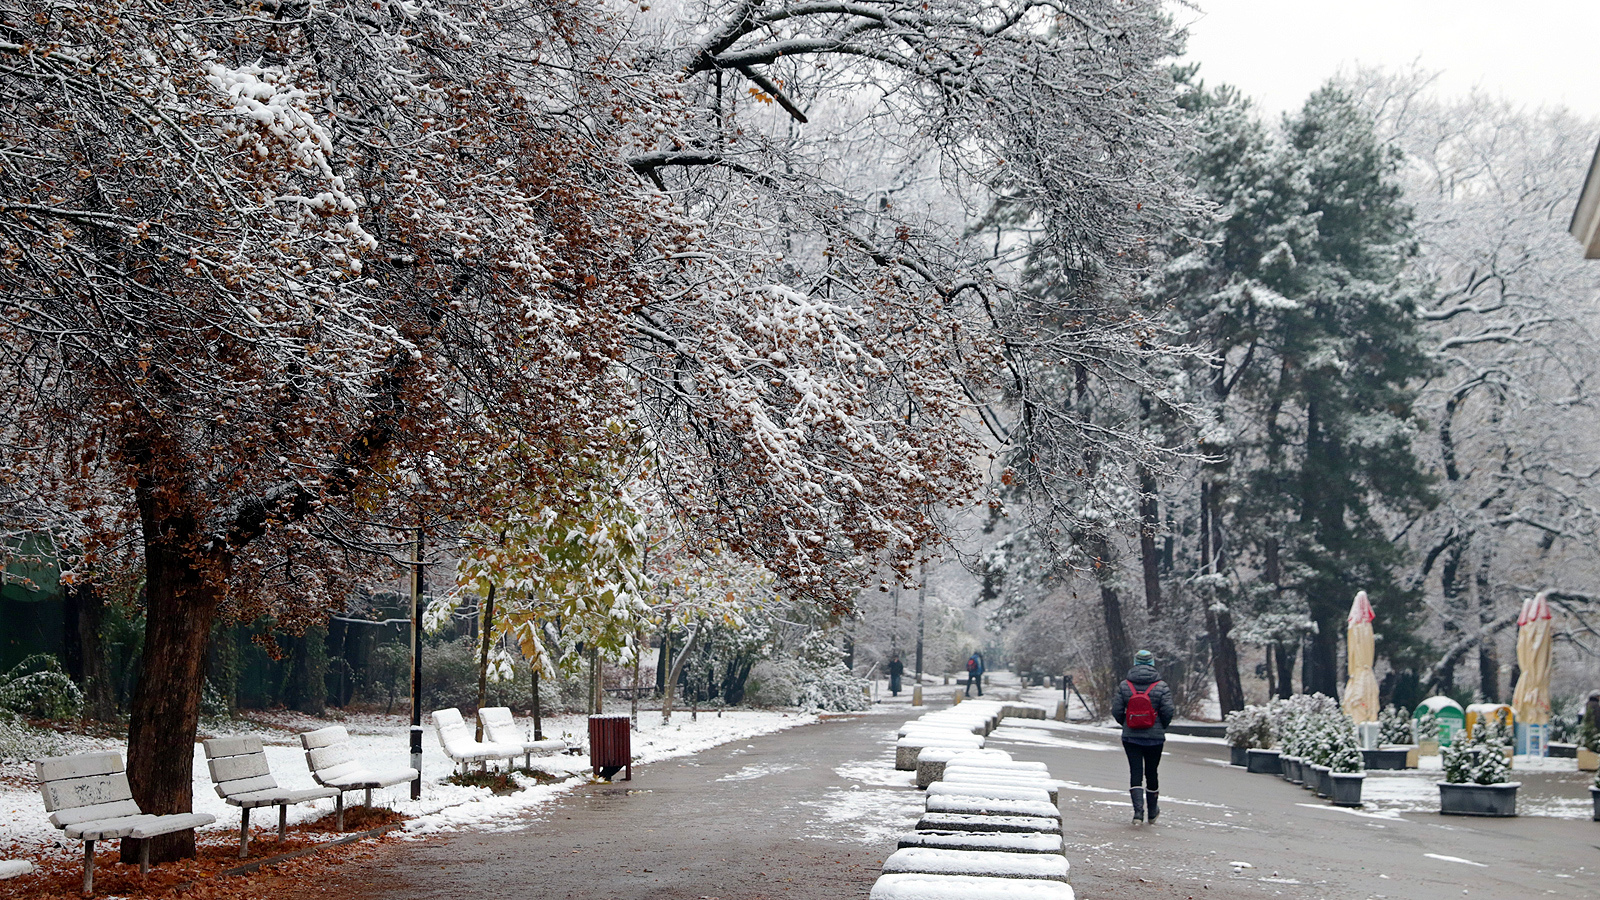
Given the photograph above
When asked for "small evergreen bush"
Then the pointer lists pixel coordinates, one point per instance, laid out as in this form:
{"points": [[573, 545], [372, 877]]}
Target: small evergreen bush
{"points": [[1395, 726], [1249, 727], [1427, 727], [1476, 761]]}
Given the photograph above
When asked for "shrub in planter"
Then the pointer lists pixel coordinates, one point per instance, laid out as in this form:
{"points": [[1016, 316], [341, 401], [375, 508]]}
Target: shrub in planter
{"points": [[1427, 728], [1476, 781], [1395, 726], [1247, 729]]}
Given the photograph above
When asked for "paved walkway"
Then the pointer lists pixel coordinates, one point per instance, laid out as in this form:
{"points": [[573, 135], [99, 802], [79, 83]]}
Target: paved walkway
{"points": [[812, 812]]}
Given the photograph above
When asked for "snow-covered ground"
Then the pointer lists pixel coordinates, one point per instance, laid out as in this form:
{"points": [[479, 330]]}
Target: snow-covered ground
{"points": [[384, 740]]}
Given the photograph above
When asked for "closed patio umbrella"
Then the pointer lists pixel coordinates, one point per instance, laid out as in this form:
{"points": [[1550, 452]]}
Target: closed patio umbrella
{"points": [[1531, 700], [1361, 691]]}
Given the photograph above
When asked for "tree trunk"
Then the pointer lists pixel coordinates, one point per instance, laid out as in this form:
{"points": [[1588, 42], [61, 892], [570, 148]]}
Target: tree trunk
{"points": [[677, 670], [1285, 652], [1488, 650], [483, 657], [1110, 604], [1149, 556], [1219, 620], [85, 652], [305, 685], [538, 718], [1322, 658], [181, 601]]}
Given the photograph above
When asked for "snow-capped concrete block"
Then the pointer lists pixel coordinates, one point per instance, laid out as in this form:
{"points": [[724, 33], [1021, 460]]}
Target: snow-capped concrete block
{"points": [[907, 748], [989, 791], [989, 806], [966, 887], [1050, 786], [987, 863], [1023, 711], [931, 761], [918, 727], [976, 822], [1003, 841]]}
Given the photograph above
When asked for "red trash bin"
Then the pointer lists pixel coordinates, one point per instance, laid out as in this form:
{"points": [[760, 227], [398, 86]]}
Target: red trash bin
{"points": [[611, 746]]}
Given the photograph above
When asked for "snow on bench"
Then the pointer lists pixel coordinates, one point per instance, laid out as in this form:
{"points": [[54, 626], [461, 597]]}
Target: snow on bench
{"points": [[88, 797], [989, 791], [989, 806], [14, 868], [1014, 767], [501, 728], [333, 764], [463, 748], [1004, 841], [989, 863], [933, 821], [907, 748], [242, 777], [966, 887], [931, 761]]}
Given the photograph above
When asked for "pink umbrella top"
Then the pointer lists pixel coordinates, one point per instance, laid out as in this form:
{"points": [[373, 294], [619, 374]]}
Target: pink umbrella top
{"points": [[1361, 610], [1533, 609]]}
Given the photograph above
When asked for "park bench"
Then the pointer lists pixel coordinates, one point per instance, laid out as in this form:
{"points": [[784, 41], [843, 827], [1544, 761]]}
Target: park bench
{"points": [[333, 764], [242, 777], [88, 797], [984, 863], [501, 728], [460, 745]]}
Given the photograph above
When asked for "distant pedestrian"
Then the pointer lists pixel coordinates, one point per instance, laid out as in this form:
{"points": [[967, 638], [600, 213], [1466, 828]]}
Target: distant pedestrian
{"points": [[1143, 707], [975, 673], [896, 669]]}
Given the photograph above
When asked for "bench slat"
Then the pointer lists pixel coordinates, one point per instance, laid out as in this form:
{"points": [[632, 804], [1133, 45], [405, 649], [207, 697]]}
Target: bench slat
{"points": [[232, 746], [229, 789], [69, 793], [325, 737], [61, 818], [330, 757], [83, 765], [232, 768]]}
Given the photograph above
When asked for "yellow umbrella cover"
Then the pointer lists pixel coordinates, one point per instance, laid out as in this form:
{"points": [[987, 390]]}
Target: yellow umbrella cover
{"points": [[1531, 699], [1361, 691]]}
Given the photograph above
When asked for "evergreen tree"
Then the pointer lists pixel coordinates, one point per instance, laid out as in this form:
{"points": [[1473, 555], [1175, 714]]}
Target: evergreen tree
{"points": [[1299, 293]]}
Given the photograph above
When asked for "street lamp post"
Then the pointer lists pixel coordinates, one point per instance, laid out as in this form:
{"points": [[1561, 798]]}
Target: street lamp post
{"points": [[416, 666]]}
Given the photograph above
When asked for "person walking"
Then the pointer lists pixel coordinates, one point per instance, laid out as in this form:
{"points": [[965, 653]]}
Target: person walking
{"points": [[1143, 707], [896, 669]]}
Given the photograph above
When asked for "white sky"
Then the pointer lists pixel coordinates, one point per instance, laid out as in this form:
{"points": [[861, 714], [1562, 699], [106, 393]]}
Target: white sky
{"points": [[1534, 52]]}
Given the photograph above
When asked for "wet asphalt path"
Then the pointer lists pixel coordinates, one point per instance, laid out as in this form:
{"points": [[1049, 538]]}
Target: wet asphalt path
{"points": [[1295, 845], [766, 817]]}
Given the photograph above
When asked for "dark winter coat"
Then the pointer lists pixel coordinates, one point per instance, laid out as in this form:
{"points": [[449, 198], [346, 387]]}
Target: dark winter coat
{"points": [[1160, 698]]}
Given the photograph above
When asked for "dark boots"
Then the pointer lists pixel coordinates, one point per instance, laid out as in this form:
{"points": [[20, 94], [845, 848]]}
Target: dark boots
{"points": [[1138, 804], [1153, 797]]}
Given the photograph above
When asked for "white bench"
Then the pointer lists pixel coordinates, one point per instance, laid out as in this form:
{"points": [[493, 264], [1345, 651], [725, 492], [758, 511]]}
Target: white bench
{"points": [[242, 777], [984, 863], [88, 797], [500, 727], [460, 745], [333, 764]]}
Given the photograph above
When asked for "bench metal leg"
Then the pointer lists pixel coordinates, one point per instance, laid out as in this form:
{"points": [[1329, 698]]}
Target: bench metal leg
{"points": [[88, 867], [144, 857], [244, 831], [283, 820], [338, 807]]}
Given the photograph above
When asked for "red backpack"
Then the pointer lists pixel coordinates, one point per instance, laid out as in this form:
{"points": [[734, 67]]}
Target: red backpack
{"points": [[1141, 712]]}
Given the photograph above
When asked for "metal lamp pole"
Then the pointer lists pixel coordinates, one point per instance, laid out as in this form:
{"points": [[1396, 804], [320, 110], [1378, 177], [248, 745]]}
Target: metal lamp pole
{"points": [[416, 666]]}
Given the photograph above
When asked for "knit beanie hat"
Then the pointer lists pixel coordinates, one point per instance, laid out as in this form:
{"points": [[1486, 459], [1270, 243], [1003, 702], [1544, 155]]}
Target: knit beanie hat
{"points": [[1144, 658]]}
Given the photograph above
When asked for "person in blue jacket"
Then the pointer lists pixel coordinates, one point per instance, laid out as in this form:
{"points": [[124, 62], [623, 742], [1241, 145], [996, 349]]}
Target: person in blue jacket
{"points": [[1144, 744]]}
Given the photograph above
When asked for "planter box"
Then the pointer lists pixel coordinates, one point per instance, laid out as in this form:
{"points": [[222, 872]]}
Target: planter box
{"points": [[1427, 748], [1386, 757], [1588, 760], [1324, 783], [1345, 788], [1236, 756], [1478, 799], [1594, 795], [1264, 762], [1557, 750], [1288, 768]]}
